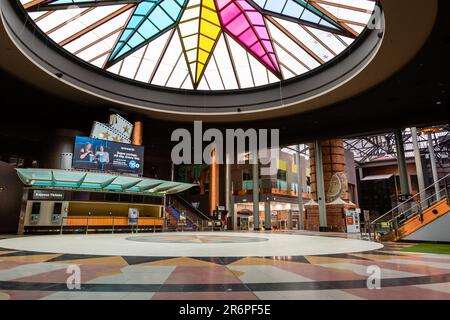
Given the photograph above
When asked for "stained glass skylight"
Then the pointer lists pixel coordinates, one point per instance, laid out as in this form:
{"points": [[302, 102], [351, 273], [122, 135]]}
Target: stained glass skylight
{"points": [[203, 44]]}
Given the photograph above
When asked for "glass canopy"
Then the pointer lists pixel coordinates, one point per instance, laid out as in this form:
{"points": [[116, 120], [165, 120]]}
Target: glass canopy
{"points": [[203, 44], [49, 178]]}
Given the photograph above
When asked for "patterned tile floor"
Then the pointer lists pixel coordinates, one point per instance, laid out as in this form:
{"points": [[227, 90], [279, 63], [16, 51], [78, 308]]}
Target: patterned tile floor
{"points": [[36, 275]]}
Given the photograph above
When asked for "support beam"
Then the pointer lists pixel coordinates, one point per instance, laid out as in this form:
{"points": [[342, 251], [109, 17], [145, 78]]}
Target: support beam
{"points": [[172, 172], [229, 193], [267, 216], [418, 161], [164, 213], [433, 165], [214, 182], [23, 212], [289, 220], [137, 134], [255, 196], [401, 161], [300, 189], [320, 186]]}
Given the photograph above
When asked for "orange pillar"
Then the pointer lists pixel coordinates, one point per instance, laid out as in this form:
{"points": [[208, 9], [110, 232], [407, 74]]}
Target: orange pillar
{"points": [[214, 182], [136, 138]]}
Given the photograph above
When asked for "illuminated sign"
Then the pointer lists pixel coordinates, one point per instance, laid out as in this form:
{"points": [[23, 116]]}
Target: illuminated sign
{"points": [[49, 195], [103, 155]]}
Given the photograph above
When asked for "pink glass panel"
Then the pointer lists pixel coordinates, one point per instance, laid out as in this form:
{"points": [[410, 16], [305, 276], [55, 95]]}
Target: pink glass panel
{"points": [[246, 25]]}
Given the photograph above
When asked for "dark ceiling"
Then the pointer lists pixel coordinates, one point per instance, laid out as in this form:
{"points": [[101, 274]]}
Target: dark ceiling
{"points": [[417, 95]]}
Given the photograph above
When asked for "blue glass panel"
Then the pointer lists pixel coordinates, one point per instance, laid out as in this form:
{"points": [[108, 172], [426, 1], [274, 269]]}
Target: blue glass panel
{"points": [[150, 19], [299, 9]]}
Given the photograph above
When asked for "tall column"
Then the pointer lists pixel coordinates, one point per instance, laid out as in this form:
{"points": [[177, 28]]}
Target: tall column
{"points": [[229, 192], [23, 212], [214, 182], [172, 172], [137, 136], [164, 213], [255, 196], [320, 186], [300, 189], [418, 161], [401, 160], [334, 186], [267, 216], [289, 220], [433, 164]]}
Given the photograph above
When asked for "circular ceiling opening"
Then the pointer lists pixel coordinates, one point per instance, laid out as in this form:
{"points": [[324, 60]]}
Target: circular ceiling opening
{"points": [[204, 45]]}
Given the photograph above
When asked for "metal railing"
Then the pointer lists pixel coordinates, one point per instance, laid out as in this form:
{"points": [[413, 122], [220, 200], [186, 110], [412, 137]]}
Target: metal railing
{"points": [[109, 224], [191, 218], [193, 215], [413, 206], [187, 205]]}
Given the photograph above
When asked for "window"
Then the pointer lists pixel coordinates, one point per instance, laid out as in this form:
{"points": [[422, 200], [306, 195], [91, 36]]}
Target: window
{"points": [[195, 44], [57, 208], [36, 208], [281, 175]]}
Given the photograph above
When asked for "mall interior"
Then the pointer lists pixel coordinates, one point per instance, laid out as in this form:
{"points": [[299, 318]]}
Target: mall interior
{"points": [[134, 143]]}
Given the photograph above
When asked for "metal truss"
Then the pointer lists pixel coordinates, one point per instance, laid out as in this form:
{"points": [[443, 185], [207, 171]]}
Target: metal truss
{"points": [[380, 147]]}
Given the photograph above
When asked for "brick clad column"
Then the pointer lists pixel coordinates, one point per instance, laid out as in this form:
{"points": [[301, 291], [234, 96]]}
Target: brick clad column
{"points": [[333, 158]]}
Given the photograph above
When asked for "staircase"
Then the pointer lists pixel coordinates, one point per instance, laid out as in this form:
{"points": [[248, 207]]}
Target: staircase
{"points": [[414, 214], [195, 219], [190, 226]]}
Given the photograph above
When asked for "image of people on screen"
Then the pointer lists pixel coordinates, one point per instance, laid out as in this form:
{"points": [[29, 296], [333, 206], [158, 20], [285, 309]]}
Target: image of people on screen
{"points": [[86, 153], [101, 157]]}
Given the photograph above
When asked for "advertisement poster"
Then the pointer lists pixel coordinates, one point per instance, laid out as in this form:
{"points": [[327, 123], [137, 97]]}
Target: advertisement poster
{"points": [[338, 187], [133, 216], [102, 155], [353, 221]]}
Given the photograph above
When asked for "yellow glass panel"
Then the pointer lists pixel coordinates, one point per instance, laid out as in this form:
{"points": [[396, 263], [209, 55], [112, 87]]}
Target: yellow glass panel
{"points": [[209, 29], [205, 43], [202, 56], [200, 68], [211, 16], [209, 3], [200, 15], [209, 34], [282, 165]]}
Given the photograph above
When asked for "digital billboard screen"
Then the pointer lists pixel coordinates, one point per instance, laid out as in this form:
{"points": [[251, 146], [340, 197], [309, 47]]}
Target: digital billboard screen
{"points": [[103, 155]]}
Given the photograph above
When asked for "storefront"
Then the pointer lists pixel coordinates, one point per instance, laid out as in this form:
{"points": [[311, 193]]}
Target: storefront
{"points": [[284, 212], [76, 201]]}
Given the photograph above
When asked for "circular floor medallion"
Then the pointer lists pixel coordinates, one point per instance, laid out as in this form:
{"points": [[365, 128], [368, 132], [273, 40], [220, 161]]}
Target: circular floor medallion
{"points": [[195, 239], [190, 244]]}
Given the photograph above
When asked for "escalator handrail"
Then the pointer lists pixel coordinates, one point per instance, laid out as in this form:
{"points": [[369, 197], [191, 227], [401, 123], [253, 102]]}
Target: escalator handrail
{"points": [[176, 213], [191, 207], [418, 195]]}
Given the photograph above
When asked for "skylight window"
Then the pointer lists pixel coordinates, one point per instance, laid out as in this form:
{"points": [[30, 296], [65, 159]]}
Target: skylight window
{"points": [[203, 44]]}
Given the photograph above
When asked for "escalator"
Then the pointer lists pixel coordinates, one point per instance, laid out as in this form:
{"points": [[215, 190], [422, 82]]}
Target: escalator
{"points": [[184, 216], [423, 217], [181, 222]]}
